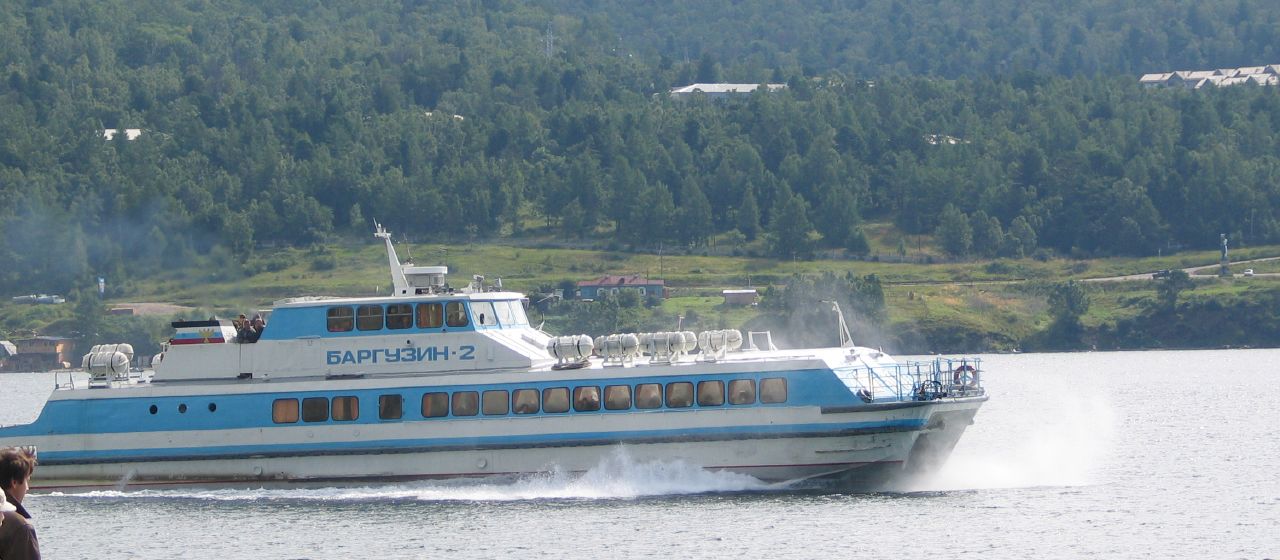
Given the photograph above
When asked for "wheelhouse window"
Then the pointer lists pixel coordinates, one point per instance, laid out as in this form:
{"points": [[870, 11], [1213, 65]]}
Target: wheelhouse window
{"points": [[346, 409], [435, 405], [484, 314], [510, 313], [495, 403], [617, 397], [648, 395], [369, 317], [399, 316], [455, 314], [773, 390], [525, 401], [586, 399], [710, 393], [555, 400], [315, 409], [390, 407], [341, 319], [679, 394], [430, 315], [284, 411], [466, 403], [742, 391]]}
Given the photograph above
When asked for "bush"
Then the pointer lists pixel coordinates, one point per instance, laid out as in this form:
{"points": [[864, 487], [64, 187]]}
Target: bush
{"points": [[324, 262]]}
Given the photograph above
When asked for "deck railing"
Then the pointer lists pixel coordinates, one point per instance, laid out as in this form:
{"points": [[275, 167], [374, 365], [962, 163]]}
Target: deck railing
{"points": [[915, 380]]}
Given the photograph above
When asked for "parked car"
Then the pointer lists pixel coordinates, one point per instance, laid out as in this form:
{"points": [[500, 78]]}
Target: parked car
{"points": [[1248, 272], [1161, 274]]}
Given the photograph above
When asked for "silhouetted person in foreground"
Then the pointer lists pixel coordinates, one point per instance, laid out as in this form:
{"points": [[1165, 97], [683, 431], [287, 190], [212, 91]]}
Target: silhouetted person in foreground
{"points": [[17, 534]]}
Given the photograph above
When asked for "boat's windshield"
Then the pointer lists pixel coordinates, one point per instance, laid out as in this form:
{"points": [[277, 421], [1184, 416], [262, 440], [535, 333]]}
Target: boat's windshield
{"points": [[510, 313]]}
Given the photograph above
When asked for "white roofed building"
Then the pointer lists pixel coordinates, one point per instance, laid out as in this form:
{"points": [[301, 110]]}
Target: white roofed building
{"points": [[719, 91]]}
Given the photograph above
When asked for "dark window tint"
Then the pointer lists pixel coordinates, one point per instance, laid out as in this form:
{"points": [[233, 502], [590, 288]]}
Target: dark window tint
{"points": [[369, 317], [390, 407], [341, 319], [710, 393], [435, 405], [283, 411], [315, 409], [742, 391], [679, 395], [555, 399], [466, 403], [525, 401], [430, 315], [773, 390], [617, 397], [586, 399], [455, 314], [495, 403], [399, 316], [346, 408], [649, 395]]}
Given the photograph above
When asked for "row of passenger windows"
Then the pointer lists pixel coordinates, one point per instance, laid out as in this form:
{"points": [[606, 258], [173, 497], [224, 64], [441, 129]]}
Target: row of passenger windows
{"points": [[426, 315], [554, 400]]}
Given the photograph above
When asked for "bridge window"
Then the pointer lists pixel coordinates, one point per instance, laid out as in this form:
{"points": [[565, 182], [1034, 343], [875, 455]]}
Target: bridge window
{"points": [[484, 314], [525, 401], [369, 317], [399, 316], [586, 399], [284, 411], [679, 395], [435, 405], [555, 399], [495, 403], [506, 315], [617, 397], [455, 314], [346, 408], [430, 315], [341, 319], [465, 403], [742, 391], [649, 395], [773, 390], [710, 393], [315, 409], [390, 407]]}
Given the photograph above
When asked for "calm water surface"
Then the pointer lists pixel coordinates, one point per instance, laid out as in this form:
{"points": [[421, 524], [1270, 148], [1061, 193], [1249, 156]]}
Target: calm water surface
{"points": [[1112, 455]]}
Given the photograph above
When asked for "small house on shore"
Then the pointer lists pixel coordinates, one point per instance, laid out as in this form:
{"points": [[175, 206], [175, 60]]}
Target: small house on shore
{"points": [[745, 297], [593, 289]]}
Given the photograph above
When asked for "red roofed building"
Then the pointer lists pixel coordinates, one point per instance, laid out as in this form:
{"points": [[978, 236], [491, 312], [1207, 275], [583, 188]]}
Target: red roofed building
{"points": [[592, 289]]}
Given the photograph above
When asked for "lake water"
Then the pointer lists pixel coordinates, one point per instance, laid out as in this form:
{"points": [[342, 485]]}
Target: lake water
{"points": [[1112, 455]]}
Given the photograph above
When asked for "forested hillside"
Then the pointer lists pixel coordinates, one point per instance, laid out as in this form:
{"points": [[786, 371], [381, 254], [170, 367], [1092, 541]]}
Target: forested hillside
{"points": [[1002, 130]]}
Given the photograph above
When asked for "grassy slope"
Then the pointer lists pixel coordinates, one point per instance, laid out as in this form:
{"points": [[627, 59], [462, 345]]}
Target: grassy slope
{"points": [[922, 298]]}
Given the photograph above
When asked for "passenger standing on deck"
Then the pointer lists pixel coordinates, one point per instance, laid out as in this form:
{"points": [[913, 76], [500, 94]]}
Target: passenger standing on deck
{"points": [[17, 534]]}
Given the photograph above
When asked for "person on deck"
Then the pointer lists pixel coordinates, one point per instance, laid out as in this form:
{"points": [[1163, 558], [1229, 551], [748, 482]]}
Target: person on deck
{"points": [[17, 534], [255, 327]]}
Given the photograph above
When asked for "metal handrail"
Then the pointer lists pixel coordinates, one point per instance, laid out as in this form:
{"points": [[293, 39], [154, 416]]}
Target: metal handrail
{"points": [[916, 380]]}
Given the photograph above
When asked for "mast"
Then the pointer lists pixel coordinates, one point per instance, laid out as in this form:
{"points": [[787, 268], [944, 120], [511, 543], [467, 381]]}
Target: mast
{"points": [[399, 284]]}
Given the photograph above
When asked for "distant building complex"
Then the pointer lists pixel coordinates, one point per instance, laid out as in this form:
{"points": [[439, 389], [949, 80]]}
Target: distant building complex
{"points": [[1268, 75], [719, 91]]}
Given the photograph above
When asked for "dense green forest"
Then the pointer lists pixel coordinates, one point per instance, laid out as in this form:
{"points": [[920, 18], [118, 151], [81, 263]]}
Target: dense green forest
{"points": [[996, 129]]}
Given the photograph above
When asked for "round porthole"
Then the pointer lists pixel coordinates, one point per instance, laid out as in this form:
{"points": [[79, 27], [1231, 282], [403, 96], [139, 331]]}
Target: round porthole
{"points": [[154, 409], [182, 408], [212, 407]]}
